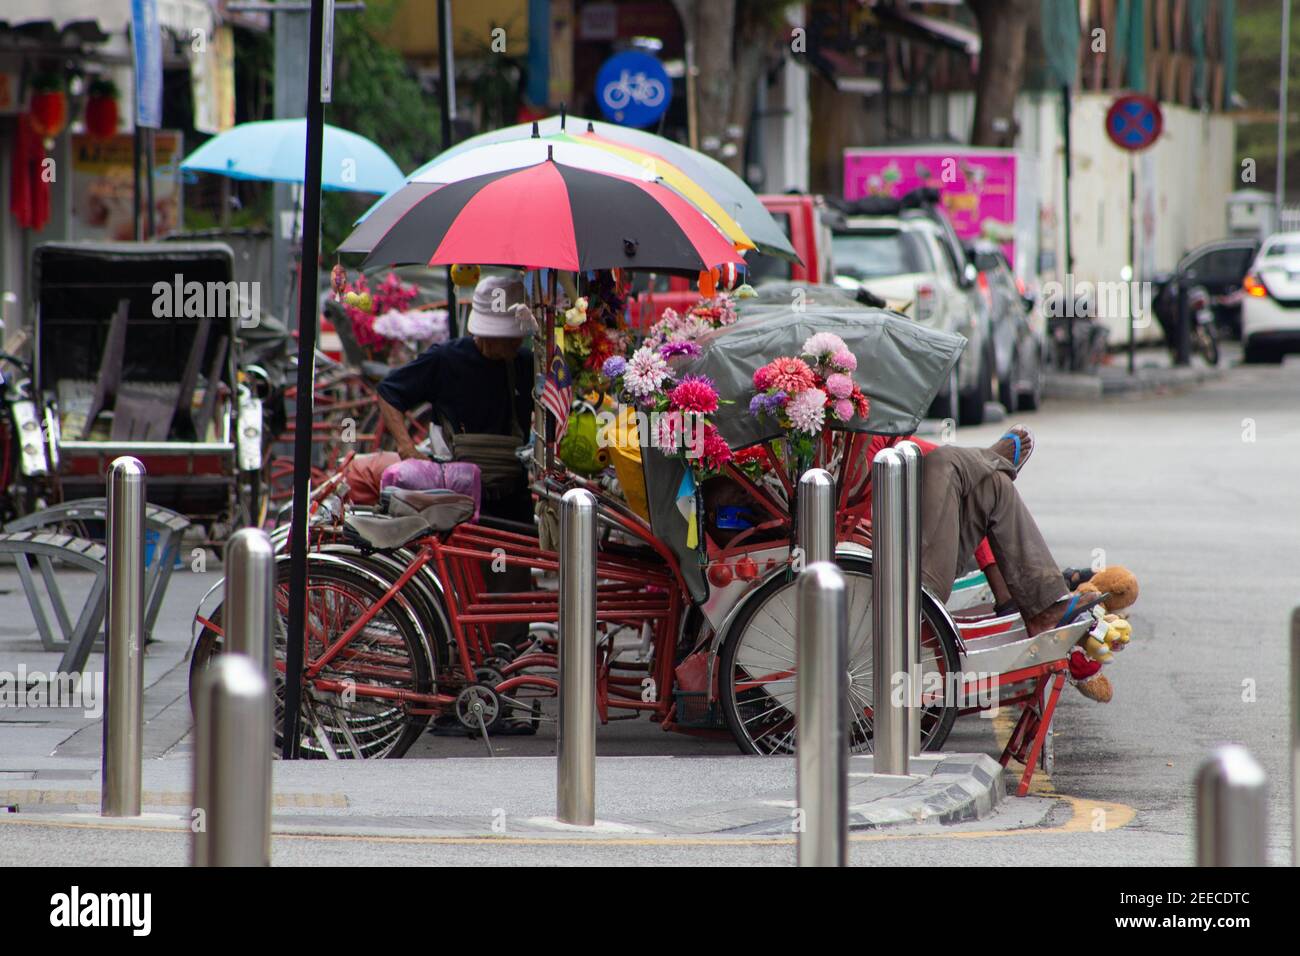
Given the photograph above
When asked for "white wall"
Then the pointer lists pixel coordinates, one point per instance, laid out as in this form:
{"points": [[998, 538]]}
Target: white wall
{"points": [[1182, 186]]}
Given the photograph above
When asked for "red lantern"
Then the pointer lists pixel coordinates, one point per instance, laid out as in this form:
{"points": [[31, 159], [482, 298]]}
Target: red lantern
{"points": [[746, 568], [719, 575], [101, 110], [728, 276], [49, 107]]}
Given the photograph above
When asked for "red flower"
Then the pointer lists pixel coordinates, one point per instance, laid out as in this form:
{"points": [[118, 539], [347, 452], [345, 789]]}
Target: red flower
{"points": [[716, 450], [694, 394], [860, 403], [790, 375]]}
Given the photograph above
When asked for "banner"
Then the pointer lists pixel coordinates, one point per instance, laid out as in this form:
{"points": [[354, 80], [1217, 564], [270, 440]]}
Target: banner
{"points": [[101, 186], [146, 42]]}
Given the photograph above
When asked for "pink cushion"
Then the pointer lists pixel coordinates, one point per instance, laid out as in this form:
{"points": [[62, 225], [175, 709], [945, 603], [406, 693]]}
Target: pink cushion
{"points": [[421, 474]]}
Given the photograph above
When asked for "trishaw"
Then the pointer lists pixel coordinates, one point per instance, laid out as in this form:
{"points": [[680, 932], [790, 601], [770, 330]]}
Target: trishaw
{"points": [[134, 352], [698, 636]]}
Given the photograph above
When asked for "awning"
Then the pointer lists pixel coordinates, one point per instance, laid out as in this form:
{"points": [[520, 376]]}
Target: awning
{"points": [[97, 20], [935, 31]]}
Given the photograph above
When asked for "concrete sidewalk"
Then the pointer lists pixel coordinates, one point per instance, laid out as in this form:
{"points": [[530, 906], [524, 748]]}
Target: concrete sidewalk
{"points": [[482, 796], [1153, 373]]}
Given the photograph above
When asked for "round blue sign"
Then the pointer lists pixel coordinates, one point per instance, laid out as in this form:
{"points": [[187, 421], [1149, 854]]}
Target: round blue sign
{"points": [[1134, 121], [633, 88]]}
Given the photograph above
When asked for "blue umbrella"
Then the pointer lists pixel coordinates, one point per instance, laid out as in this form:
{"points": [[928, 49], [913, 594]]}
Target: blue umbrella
{"points": [[274, 150]]}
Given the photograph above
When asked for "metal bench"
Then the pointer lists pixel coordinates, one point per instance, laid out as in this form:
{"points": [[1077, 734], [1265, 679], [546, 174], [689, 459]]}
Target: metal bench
{"points": [[168, 525], [44, 548]]}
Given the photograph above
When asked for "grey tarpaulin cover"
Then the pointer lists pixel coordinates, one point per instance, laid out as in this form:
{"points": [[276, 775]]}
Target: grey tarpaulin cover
{"points": [[901, 367]]}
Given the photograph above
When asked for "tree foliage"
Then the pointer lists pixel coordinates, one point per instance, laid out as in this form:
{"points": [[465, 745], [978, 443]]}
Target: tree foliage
{"points": [[376, 96]]}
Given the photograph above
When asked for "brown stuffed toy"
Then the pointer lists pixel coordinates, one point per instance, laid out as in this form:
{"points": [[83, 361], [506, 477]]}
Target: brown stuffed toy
{"points": [[1118, 583], [1120, 586]]}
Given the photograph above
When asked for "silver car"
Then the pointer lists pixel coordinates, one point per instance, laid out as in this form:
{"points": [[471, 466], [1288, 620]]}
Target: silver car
{"points": [[908, 262]]}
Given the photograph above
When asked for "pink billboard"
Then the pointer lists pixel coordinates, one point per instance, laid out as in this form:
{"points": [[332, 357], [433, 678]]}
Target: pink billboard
{"points": [[978, 189]]}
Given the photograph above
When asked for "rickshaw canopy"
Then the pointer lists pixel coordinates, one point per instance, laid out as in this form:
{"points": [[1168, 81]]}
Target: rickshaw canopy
{"points": [[901, 365]]}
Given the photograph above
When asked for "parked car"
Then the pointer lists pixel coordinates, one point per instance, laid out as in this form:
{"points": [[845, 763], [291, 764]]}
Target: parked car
{"points": [[1270, 309], [906, 259], [1018, 342], [806, 219]]}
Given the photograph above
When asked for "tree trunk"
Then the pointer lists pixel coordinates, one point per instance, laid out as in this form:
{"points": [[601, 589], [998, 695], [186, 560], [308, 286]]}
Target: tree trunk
{"points": [[1003, 25], [712, 25]]}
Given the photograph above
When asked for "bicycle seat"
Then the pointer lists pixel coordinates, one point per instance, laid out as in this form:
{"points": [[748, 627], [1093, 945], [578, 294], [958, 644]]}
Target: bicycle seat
{"points": [[383, 531], [441, 509]]}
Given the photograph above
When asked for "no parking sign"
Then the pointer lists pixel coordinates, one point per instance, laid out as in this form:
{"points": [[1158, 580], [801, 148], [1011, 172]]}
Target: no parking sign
{"points": [[633, 88], [1134, 121]]}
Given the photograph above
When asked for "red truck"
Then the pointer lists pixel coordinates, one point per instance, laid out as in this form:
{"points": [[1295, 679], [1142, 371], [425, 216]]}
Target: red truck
{"points": [[804, 219]]}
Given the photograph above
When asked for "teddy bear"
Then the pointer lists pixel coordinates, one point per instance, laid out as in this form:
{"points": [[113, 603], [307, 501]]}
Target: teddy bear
{"points": [[1097, 647]]}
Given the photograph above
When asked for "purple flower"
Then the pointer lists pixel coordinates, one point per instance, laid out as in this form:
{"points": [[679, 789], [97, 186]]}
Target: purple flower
{"points": [[758, 404], [672, 349], [614, 366]]}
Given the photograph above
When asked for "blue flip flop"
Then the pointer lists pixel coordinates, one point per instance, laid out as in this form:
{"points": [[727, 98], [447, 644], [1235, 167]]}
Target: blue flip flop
{"points": [[1018, 461], [1078, 607]]}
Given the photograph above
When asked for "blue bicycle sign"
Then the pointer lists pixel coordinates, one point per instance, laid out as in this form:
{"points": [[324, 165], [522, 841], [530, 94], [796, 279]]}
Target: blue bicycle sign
{"points": [[633, 88]]}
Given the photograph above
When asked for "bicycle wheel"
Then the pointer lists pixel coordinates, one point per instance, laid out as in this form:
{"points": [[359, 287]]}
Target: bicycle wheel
{"points": [[757, 667], [387, 654]]}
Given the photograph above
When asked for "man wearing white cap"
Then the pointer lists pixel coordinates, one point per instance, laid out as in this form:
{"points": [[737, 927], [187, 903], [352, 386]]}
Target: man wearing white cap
{"points": [[480, 387]]}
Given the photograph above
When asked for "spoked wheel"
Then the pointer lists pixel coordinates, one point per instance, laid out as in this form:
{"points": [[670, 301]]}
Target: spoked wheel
{"points": [[757, 688], [356, 716]]}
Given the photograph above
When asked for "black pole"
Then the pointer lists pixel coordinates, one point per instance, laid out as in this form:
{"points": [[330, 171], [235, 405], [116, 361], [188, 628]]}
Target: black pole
{"points": [[1069, 250], [138, 221], [1132, 258], [447, 107], [307, 313], [148, 182]]}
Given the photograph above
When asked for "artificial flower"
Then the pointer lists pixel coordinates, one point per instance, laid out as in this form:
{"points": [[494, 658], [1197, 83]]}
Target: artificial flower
{"points": [[807, 411], [694, 394], [839, 385], [645, 373]]}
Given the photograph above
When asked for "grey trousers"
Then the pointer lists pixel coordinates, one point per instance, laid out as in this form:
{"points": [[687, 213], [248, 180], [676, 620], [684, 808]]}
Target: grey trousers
{"points": [[967, 494]]}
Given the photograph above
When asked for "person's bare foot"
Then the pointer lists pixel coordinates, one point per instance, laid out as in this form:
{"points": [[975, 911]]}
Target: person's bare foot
{"points": [[1007, 448]]}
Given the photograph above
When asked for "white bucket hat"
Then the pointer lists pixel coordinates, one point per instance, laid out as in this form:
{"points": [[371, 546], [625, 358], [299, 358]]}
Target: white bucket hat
{"points": [[500, 309]]}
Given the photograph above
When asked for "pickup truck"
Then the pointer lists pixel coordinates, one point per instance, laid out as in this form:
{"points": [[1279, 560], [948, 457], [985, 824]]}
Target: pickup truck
{"points": [[806, 220]]}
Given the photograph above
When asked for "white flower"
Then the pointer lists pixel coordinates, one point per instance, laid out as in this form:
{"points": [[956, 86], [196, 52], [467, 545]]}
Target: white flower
{"points": [[646, 371], [807, 411]]}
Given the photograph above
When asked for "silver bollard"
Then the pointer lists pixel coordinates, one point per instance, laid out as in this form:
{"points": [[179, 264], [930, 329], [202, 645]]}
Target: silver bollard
{"points": [[1231, 810], [822, 751], [888, 607], [249, 607], [817, 516], [232, 765], [1295, 737], [575, 785], [911, 453], [124, 647]]}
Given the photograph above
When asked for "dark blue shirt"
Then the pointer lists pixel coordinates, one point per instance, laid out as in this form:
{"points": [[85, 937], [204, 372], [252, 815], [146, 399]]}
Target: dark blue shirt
{"points": [[464, 388]]}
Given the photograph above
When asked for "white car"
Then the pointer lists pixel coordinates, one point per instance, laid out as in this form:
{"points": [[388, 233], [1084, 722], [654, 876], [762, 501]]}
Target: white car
{"points": [[907, 262], [1270, 307]]}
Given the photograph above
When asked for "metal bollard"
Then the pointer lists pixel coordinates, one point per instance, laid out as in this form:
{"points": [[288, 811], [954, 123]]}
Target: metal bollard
{"points": [[575, 785], [911, 454], [888, 607], [249, 608], [822, 751], [817, 516], [1295, 737], [124, 647], [1231, 810], [232, 765]]}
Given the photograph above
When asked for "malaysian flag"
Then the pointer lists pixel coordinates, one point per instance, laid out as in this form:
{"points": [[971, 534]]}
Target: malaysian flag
{"points": [[557, 393]]}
